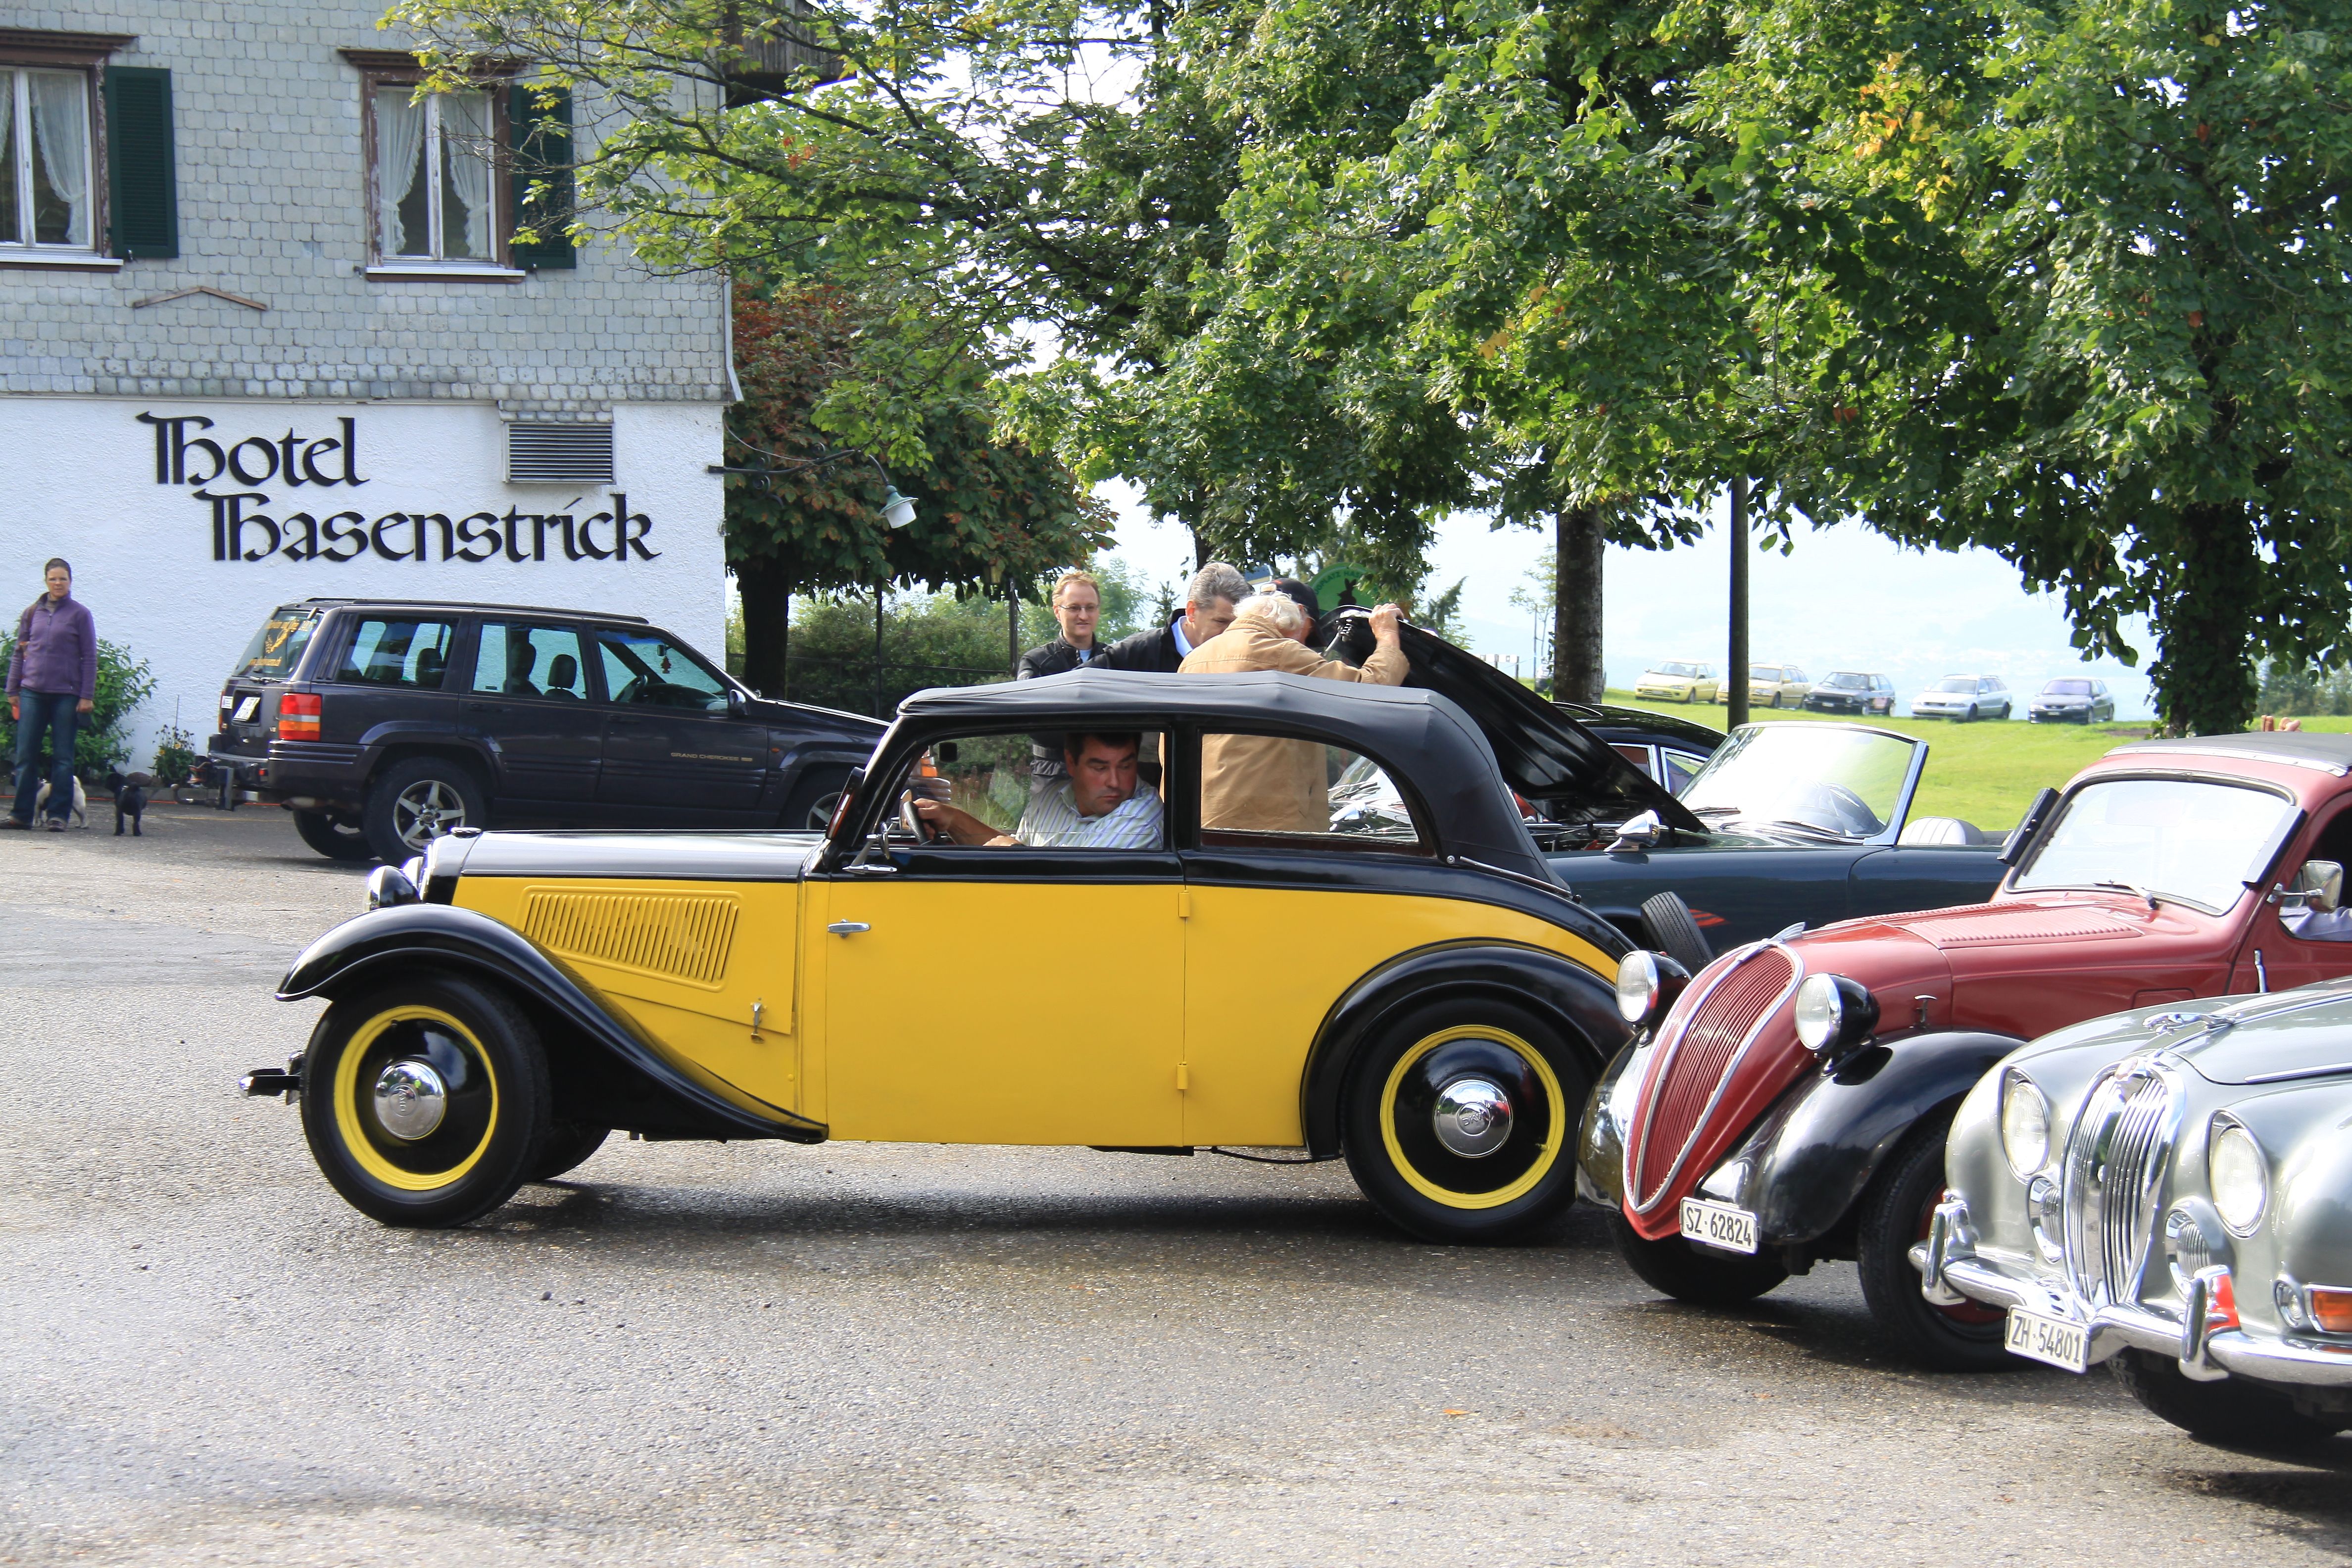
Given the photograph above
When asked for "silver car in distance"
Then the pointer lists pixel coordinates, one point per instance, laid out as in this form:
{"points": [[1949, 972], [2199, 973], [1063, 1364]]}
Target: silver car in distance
{"points": [[2170, 1191]]}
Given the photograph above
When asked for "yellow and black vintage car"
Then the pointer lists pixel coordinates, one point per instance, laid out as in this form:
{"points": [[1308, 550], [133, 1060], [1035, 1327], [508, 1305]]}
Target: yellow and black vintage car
{"points": [[1377, 964]]}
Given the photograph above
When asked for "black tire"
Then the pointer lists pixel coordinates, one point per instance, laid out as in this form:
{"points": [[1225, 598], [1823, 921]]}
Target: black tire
{"points": [[1704, 1277], [1389, 1128], [496, 1104], [1675, 932], [1895, 1210], [336, 837], [809, 809], [2234, 1412], [417, 800], [566, 1148], [1970, 716]]}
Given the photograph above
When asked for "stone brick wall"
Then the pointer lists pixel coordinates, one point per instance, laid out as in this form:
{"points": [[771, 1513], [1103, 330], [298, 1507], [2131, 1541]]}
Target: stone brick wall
{"points": [[272, 205]]}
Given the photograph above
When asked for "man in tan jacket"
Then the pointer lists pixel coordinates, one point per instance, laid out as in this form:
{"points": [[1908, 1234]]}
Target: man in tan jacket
{"points": [[1256, 782]]}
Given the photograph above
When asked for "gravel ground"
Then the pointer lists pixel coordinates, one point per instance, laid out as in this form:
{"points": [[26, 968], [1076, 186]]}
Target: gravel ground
{"points": [[760, 1353]]}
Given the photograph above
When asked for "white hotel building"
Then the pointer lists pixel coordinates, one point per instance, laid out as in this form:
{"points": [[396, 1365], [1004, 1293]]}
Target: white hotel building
{"points": [[265, 334]]}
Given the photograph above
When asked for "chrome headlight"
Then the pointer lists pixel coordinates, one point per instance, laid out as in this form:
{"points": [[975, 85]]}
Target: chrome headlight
{"points": [[1834, 1014], [2239, 1175], [2024, 1125], [1647, 984]]}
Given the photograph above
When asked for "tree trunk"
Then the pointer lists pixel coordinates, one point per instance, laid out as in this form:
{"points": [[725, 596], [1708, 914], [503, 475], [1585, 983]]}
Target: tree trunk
{"points": [[1735, 679], [766, 589], [1578, 674], [2204, 669]]}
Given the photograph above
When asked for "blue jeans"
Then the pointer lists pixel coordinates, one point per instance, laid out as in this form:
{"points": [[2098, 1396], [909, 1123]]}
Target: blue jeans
{"points": [[40, 711]]}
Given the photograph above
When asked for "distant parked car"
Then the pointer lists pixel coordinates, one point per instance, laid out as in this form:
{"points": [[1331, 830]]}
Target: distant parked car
{"points": [[1678, 680], [1772, 686], [384, 724], [2073, 701], [1851, 692], [1963, 697]]}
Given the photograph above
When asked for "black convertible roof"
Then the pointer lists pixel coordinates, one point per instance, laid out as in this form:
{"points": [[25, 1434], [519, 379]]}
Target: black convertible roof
{"points": [[1422, 735]]}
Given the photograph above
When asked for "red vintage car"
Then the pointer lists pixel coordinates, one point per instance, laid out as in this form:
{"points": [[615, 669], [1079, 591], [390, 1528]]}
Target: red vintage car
{"points": [[1790, 1103]]}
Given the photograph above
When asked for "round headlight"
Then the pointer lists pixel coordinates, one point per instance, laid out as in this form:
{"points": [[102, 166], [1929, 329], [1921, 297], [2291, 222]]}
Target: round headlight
{"points": [[2024, 1125], [1820, 1011], [2240, 1177], [1637, 986]]}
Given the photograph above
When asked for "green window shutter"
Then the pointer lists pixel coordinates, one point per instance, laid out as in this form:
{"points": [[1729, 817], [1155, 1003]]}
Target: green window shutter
{"points": [[142, 197], [541, 122]]}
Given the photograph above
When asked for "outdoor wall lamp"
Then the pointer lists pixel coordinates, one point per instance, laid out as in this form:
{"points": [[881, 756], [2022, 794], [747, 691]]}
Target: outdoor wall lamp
{"points": [[897, 511]]}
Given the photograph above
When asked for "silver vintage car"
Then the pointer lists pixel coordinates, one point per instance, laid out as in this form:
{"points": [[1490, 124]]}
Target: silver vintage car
{"points": [[2170, 1191]]}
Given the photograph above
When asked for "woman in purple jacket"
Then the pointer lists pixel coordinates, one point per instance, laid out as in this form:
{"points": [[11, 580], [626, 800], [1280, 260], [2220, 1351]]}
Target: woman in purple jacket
{"points": [[52, 680]]}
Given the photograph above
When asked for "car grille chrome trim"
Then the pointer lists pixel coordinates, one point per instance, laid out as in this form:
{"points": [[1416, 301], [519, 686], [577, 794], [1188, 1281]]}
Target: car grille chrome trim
{"points": [[1696, 1067], [2116, 1155], [684, 937]]}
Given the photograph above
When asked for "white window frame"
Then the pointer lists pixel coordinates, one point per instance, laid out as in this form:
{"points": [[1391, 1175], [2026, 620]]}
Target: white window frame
{"points": [[381, 72], [20, 170]]}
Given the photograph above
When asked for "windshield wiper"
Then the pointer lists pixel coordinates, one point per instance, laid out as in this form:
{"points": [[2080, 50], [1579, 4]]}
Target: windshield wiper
{"points": [[2129, 888], [1715, 811]]}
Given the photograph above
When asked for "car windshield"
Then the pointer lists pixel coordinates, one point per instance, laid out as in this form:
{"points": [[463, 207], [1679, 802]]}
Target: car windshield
{"points": [[1847, 681], [1957, 683], [1763, 672], [278, 646], [1837, 780], [2067, 688], [2195, 842], [1681, 670]]}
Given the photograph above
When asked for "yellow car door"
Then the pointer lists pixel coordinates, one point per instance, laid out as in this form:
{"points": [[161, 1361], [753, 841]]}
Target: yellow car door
{"points": [[1005, 995]]}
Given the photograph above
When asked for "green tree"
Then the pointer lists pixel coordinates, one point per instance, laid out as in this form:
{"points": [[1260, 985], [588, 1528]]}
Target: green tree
{"points": [[991, 516], [99, 738]]}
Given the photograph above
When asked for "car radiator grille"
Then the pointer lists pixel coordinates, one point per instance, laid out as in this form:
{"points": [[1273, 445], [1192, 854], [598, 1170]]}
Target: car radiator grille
{"points": [[1696, 1062], [2115, 1160], [671, 936]]}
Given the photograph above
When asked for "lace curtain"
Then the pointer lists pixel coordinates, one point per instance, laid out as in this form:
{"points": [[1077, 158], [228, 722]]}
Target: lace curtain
{"points": [[399, 141], [61, 136], [466, 132]]}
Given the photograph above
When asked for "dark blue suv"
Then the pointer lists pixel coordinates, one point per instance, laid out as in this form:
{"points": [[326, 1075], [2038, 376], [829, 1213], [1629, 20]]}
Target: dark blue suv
{"points": [[383, 724]]}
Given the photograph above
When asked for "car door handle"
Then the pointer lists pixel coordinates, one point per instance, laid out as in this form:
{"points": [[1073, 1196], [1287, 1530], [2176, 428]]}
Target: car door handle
{"points": [[849, 928]]}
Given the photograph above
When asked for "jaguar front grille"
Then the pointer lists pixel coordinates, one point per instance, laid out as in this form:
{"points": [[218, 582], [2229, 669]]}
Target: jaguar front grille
{"points": [[2114, 1169]]}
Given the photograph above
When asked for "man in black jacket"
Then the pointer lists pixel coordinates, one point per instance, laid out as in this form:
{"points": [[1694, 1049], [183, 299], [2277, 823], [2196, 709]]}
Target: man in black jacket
{"points": [[1077, 607], [1208, 601]]}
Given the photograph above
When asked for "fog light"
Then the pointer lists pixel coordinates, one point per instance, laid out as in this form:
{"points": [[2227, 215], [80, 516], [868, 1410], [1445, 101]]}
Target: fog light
{"points": [[2042, 1210], [2287, 1297], [2331, 1307]]}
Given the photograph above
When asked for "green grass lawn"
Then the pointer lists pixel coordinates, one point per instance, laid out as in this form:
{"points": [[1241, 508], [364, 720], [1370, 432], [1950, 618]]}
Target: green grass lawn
{"points": [[1984, 772]]}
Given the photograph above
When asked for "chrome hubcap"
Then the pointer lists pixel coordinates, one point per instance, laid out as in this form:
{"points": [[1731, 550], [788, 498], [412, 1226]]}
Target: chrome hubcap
{"points": [[1473, 1117], [425, 810], [410, 1099]]}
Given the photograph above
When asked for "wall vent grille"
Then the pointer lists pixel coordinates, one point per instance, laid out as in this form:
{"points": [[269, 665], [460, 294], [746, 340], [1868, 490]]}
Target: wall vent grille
{"points": [[669, 936], [559, 453]]}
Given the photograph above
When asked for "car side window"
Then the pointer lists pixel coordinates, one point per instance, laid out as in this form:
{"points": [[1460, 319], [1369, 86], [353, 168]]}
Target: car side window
{"points": [[1276, 790], [517, 660], [1681, 768], [981, 793], [394, 652], [647, 669]]}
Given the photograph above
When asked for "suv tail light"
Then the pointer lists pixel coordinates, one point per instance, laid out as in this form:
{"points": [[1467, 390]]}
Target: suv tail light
{"points": [[297, 716]]}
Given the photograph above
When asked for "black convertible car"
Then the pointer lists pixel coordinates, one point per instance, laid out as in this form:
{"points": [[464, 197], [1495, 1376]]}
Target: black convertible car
{"points": [[1785, 823]]}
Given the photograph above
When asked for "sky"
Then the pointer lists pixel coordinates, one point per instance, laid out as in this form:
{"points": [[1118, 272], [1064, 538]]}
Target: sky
{"points": [[1845, 599]]}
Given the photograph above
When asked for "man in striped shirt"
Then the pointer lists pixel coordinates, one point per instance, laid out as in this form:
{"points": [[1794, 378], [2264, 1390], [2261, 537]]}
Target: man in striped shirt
{"points": [[1097, 807]]}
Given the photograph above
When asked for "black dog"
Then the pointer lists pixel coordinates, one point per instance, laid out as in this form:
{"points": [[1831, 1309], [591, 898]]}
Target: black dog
{"points": [[129, 799]]}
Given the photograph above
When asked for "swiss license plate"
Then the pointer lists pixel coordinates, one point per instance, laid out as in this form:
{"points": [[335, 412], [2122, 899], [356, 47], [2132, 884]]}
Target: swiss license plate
{"points": [[1718, 1225], [2060, 1341], [246, 710]]}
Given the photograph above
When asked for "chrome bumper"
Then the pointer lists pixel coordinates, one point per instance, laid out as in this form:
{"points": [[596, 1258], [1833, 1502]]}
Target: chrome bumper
{"points": [[1950, 1271]]}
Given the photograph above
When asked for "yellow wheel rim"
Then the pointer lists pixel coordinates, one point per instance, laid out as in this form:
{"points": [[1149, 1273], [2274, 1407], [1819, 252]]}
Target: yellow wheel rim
{"points": [[348, 1089], [1548, 1155]]}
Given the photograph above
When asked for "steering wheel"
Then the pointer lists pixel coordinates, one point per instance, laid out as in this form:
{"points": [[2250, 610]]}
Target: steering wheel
{"points": [[912, 822], [1846, 810]]}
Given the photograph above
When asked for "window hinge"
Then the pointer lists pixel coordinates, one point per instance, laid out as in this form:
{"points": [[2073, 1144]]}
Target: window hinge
{"points": [[1183, 904], [1183, 1079], [758, 1011]]}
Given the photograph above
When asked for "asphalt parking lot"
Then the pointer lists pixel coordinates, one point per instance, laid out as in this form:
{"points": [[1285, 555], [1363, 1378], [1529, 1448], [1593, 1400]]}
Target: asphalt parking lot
{"points": [[763, 1353]]}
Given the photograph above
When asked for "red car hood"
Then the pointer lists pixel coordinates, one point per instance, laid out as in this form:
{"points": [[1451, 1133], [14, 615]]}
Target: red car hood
{"points": [[1729, 1047]]}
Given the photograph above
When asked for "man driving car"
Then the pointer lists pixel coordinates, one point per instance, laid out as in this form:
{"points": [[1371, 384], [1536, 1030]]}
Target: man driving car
{"points": [[1097, 807]]}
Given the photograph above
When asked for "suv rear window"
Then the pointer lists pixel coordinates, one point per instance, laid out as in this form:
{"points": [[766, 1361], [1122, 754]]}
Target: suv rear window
{"points": [[278, 646], [398, 653]]}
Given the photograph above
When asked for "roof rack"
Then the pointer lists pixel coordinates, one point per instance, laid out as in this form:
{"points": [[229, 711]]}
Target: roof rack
{"points": [[325, 601]]}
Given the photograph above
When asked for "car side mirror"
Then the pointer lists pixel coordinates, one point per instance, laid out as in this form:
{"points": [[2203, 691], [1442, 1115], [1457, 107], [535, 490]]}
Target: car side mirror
{"points": [[734, 703], [1638, 833], [944, 753], [2318, 887]]}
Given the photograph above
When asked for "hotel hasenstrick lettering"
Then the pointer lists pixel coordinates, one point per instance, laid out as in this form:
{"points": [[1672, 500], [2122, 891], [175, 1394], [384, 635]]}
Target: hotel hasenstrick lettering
{"points": [[249, 525]]}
